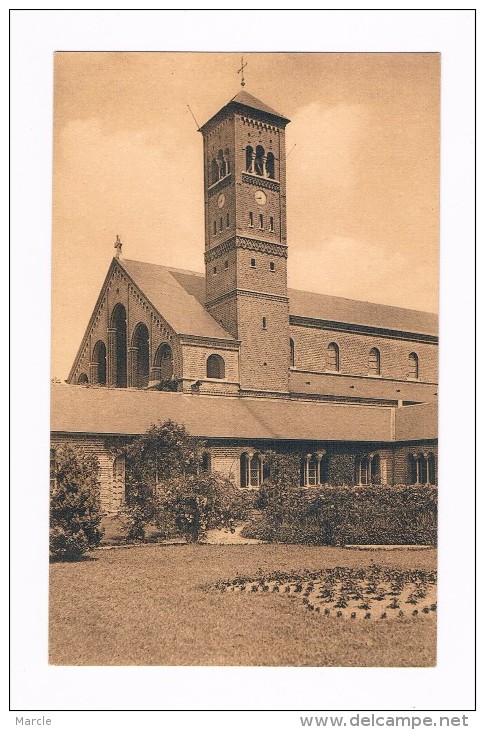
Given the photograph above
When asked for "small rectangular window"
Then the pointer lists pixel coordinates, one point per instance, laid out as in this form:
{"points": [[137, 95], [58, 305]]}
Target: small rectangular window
{"points": [[271, 224], [264, 323], [271, 266], [261, 222], [253, 263], [251, 219], [226, 264], [227, 220], [215, 270], [220, 225]]}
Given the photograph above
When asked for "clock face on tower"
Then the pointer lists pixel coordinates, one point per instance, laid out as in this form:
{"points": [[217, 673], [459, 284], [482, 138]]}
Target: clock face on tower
{"points": [[260, 197], [221, 200]]}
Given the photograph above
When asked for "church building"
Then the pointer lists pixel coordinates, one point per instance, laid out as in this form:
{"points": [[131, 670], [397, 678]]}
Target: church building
{"points": [[244, 362]]}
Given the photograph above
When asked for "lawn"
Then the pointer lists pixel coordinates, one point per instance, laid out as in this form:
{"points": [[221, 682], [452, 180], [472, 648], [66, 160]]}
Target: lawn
{"points": [[150, 605]]}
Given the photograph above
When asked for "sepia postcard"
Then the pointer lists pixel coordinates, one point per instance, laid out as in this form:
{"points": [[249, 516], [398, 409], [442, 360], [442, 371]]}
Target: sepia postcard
{"points": [[244, 367]]}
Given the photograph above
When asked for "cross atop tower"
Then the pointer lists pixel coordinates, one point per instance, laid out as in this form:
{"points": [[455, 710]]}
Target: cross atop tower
{"points": [[241, 71]]}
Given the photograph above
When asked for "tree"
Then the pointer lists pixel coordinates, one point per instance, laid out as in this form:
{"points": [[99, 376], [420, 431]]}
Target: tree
{"points": [[166, 450], [166, 486], [75, 510]]}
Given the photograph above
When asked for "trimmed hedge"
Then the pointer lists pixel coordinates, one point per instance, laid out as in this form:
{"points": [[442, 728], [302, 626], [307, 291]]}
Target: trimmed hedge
{"points": [[374, 515]]}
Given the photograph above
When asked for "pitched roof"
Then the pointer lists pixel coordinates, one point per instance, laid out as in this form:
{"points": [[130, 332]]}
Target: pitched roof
{"points": [[177, 303], [80, 409], [179, 296], [361, 387], [414, 423], [351, 311], [243, 97]]}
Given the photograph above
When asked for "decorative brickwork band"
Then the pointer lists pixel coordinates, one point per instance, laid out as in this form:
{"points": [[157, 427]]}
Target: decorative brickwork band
{"points": [[248, 293], [260, 125], [261, 182], [250, 244]]}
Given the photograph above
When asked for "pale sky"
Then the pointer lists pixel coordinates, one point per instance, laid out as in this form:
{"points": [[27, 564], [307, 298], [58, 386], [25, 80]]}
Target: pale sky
{"points": [[362, 180]]}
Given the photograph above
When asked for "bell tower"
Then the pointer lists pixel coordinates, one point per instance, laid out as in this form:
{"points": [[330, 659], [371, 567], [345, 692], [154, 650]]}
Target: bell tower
{"points": [[245, 236]]}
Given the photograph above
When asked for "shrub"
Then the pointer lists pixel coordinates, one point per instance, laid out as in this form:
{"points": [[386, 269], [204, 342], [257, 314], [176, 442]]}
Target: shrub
{"points": [[139, 511], [75, 512], [343, 515], [196, 503]]}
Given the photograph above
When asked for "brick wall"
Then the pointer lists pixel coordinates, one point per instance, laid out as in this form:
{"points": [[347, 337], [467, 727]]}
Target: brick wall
{"points": [[400, 459], [112, 492], [195, 361], [261, 277], [264, 352], [311, 346], [225, 312]]}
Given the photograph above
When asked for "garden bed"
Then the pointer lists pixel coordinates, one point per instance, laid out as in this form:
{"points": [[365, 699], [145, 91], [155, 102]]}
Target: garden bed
{"points": [[345, 593]]}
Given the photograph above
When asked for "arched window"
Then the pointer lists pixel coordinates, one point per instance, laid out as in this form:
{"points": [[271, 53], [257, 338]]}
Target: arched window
{"points": [[368, 470], [363, 471], [413, 366], [99, 357], [374, 365], [259, 160], [141, 356], [226, 159], [164, 361], [251, 469], [292, 353], [313, 477], [333, 358], [249, 159], [221, 164], [216, 367], [270, 165], [118, 323], [214, 172], [375, 469], [119, 469], [421, 469], [244, 470], [314, 468], [83, 379]]}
